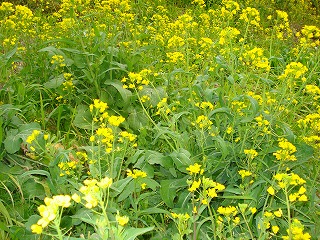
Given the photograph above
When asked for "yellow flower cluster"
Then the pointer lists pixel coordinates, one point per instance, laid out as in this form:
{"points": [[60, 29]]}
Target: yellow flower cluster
{"points": [[33, 136], [202, 122], [282, 27], [91, 191], [285, 180], [174, 57], [205, 105], [122, 220], [251, 153], [309, 36], [99, 105], [227, 211], [238, 106], [296, 231], [200, 3], [181, 216], [244, 173], [49, 211], [194, 169], [229, 9], [254, 59], [136, 80], [115, 120], [268, 219], [286, 151], [312, 123], [294, 70], [227, 34], [68, 83], [162, 107], [68, 168], [105, 136], [125, 135], [6, 7], [176, 42], [251, 16], [209, 188], [58, 61], [314, 90], [264, 123], [136, 173]]}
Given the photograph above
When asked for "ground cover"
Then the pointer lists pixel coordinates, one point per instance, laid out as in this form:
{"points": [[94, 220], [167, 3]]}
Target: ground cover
{"points": [[159, 120]]}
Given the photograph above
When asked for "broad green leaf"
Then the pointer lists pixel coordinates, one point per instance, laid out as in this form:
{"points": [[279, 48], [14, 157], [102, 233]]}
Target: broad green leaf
{"points": [[119, 186], [127, 191], [54, 82], [181, 159], [125, 94], [167, 187], [132, 233], [12, 143], [83, 118], [136, 118]]}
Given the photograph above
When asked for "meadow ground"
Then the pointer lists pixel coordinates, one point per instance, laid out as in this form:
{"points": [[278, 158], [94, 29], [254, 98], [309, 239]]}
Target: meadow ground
{"points": [[159, 119]]}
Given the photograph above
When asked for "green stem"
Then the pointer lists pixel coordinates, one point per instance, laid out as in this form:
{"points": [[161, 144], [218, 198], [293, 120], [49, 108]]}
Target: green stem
{"points": [[151, 120], [288, 212]]}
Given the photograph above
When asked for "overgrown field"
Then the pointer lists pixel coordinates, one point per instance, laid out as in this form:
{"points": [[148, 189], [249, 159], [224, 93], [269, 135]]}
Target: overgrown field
{"points": [[159, 119]]}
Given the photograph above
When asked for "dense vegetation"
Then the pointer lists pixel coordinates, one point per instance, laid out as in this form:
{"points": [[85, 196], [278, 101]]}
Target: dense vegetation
{"points": [[159, 119]]}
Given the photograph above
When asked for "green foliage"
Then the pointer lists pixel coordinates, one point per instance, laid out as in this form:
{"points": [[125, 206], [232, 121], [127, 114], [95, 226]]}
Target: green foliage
{"points": [[159, 119]]}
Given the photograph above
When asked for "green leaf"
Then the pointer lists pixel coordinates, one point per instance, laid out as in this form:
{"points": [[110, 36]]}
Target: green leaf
{"points": [[33, 189], [83, 118], [119, 186], [12, 142], [125, 94], [181, 159], [54, 82], [132, 233], [168, 187], [136, 118], [127, 191], [154, 157]]}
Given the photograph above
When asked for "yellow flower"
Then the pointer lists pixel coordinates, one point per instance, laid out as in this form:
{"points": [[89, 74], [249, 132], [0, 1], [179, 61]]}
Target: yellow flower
{"points": [[253, 210], [136, 173], [195, 185], [251, 153], [278, 213], [271, 190], [236, 220], [122, 220], [105, 183], [116, 121], [62, 200], [75, 197], [36, 228], [244, 173], [303, 198], [275, 229], [212, 192], [229, 210], [194, 169]]}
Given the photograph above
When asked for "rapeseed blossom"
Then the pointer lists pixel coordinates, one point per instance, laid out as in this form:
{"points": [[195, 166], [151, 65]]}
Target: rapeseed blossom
{"points": [[33, 136], [251, 16], [50, 211], [294, 70], [244, 173], [251, 153], [122, 220], [286, 151], [194, 169], [203, 122], [136, 173]]}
